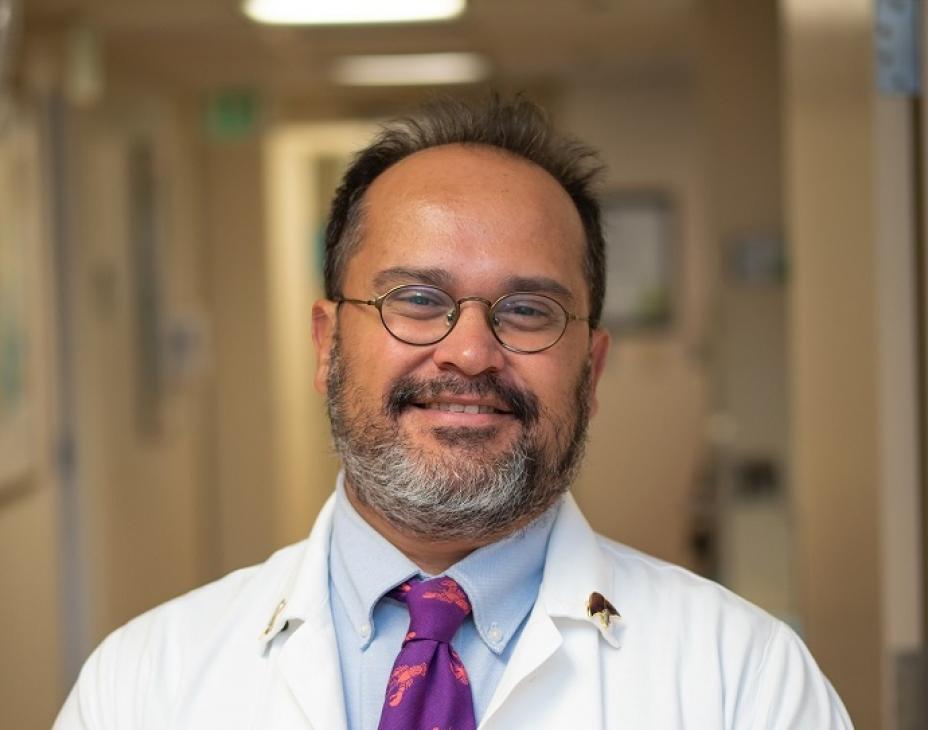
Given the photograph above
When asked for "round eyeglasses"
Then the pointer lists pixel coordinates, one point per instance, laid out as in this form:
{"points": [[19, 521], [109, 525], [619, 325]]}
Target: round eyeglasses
{"points": [[419, 314]]}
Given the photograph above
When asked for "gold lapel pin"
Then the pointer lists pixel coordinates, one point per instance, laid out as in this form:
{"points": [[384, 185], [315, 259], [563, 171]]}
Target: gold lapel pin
{"points": [[599, 606], [277, 611]]}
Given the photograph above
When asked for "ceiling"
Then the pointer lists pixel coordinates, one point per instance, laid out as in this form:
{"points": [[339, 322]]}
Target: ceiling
{"points": [[209, 44]]}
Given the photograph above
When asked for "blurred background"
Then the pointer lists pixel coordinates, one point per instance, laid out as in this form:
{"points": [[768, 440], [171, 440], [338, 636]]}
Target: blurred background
{"points": [[165, 168]]}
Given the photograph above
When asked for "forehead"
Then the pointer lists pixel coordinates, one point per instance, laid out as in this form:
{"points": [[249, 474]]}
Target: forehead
{"points": [[476, 212]]}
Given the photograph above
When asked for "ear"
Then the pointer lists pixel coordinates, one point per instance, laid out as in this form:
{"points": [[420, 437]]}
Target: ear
{"points": [[323, 327], [599, 348]]}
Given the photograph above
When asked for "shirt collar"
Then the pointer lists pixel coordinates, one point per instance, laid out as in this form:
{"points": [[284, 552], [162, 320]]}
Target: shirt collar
{"points": [[501, 579], [364, 565]]}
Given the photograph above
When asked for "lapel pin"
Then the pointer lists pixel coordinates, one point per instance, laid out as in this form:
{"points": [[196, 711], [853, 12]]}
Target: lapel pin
{"points": [[274, 616], [598, 606]]}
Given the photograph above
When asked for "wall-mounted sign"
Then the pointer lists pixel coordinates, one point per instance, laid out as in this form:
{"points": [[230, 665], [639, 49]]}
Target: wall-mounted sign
{"points": [[898, 56]]}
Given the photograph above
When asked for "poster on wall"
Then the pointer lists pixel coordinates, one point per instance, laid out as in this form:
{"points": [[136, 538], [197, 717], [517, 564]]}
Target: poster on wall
{"points": [[17, 336], [639, 232]]}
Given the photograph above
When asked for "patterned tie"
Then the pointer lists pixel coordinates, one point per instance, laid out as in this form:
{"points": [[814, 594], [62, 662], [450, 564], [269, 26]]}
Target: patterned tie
{"points": [[428, 687]]}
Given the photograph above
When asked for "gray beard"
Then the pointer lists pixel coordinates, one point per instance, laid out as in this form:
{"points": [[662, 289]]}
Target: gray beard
{"points": [[467, 491]]}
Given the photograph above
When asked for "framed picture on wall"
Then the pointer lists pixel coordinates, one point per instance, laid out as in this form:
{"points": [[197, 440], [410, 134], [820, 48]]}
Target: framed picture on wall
{"points": [[639, 227]]}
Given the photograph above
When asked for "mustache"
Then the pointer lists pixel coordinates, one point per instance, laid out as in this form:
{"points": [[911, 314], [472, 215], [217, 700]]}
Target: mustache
{"points": [[409, 390]]}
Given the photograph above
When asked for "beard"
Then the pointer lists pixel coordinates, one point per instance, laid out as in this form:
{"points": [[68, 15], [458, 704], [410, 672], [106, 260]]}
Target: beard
{"points": [[468, 489]]}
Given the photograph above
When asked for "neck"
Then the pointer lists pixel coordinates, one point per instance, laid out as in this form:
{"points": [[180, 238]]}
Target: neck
{"points": [[431, 555]]}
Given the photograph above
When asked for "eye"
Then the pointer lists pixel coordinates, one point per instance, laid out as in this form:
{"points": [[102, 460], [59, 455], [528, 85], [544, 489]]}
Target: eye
{"points": [[419, 298], [528, 312], [415, 298], [418, 302]]}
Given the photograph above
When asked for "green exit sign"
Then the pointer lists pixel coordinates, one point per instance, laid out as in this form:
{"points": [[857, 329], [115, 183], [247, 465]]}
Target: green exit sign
{"points": [[232, 115]]}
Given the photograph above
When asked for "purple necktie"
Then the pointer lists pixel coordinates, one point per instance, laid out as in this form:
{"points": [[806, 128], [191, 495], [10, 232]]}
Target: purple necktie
{"points": [[428, 687]]}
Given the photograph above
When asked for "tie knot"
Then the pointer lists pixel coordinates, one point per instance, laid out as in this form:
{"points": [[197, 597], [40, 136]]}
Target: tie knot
{"points": [[437, 607]]}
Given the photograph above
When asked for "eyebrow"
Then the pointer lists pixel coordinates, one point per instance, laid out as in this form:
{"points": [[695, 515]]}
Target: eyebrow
{"points": [[442, 278], [400, 274], [538, 285]]}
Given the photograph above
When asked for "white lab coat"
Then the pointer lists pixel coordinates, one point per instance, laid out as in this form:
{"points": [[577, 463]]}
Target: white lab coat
{"points": [[256, 650]]}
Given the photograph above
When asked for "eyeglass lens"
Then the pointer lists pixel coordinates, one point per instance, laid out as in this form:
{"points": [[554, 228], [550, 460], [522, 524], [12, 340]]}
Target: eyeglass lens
{"points": [[421, 315]]}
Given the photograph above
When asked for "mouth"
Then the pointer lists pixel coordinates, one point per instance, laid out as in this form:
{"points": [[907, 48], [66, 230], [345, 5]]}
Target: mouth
{"points": [[465, 407], [449, 401], [443, 415]]}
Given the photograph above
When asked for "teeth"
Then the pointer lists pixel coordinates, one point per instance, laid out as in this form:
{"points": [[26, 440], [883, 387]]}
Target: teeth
{"points": [[461, 408]]}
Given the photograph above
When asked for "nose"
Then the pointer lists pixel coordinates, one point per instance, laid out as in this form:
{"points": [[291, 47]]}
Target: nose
{"points": [[471, 348]]}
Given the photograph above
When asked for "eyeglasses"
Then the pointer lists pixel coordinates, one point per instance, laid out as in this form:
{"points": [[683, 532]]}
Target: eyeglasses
{"points": [[418, 314]]}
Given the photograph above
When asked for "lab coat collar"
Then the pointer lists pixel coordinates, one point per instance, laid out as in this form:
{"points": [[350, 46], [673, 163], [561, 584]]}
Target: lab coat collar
{"points": [[575, 573], [579, 580], [576, 568], [303, 620], [304, 592]]}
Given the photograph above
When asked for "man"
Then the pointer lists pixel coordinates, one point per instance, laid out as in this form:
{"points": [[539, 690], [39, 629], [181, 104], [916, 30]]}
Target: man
{"points": [[450, 582]]}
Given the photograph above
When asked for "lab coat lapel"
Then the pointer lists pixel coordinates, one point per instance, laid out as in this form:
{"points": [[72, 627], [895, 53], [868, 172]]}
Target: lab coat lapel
{"points": [[308, 658], [561, 645], [310, 666]]}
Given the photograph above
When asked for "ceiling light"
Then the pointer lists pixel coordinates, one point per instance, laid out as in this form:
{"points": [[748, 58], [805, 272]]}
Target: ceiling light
{"points": [[411, 69], [343, 12]]}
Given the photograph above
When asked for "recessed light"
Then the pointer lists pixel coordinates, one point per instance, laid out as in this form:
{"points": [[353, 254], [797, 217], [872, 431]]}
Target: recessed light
{"points": [[344, 12], [410, 69]]}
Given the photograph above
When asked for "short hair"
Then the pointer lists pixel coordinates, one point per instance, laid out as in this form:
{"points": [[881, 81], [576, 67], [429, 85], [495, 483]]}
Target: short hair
{"points": [[517, 127]]}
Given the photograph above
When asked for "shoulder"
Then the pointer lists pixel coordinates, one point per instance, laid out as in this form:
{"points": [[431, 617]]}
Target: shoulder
{"points": [[645, 585], [139, 670], [714, 642], [666, 605], [217, 607]]}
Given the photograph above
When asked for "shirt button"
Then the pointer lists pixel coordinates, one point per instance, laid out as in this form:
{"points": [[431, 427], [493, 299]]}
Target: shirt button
{"points": [[364, 630], [495, 634]]}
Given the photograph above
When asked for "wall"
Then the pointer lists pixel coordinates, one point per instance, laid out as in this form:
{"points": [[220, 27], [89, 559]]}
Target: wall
{"points": [[31, 662], [741, 98], [139, 454], [238, 299], [830, 177], [645, 446], [302, 166]]}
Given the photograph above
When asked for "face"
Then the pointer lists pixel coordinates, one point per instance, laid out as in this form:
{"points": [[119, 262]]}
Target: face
{"points": [[462, 438]]}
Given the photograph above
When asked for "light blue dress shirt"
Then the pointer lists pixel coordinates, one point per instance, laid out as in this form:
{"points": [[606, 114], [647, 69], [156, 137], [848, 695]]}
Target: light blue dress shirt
{"points": [[501, 580]]}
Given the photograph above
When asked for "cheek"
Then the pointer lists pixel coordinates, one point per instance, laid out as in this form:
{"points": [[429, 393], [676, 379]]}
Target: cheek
{"points": [[552, 384], [557, 386], [375, 363]]}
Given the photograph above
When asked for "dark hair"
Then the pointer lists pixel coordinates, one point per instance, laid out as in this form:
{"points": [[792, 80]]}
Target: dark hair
{"points": [[517, 127]]}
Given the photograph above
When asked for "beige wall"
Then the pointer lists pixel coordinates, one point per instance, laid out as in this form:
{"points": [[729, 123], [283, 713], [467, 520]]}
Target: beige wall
{"points": [[33, 648], [139, 476], [131, 536], [302, 163], [33, 645], [831, 212], [901, 564], [709, 136], [238, 299], [741, 99], [653, 394]]}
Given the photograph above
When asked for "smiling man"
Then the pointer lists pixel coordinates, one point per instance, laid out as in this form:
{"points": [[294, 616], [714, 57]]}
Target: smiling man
{"points": [[451, 581]]}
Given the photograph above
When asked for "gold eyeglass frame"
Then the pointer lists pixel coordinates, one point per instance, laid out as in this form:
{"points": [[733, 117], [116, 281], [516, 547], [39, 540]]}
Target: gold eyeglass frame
{"points": [[378, 301]]}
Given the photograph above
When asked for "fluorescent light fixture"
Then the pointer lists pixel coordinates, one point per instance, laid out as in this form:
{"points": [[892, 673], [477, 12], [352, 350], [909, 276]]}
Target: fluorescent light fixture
{"points": [[410, 69], [345, 12]]}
